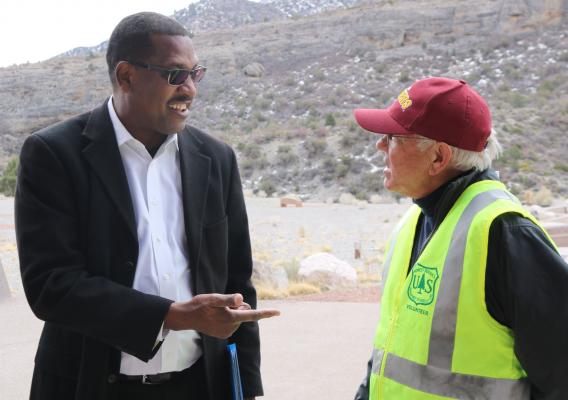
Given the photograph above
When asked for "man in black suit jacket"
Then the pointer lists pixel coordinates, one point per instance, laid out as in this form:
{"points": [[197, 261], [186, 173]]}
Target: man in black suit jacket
{"points": [[93, 264]]}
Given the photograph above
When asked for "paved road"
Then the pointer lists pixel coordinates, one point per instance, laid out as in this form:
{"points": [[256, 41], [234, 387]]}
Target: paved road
{"points": [[314, 350]]}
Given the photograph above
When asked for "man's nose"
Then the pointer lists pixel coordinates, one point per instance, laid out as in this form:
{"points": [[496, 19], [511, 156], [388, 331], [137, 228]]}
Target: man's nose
{"points": [[188, 88], [382, 143]]}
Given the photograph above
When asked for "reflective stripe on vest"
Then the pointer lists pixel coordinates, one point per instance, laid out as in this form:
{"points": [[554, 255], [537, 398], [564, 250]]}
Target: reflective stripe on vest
{"points": [[445, 315], [436, 377], [446, 383]]}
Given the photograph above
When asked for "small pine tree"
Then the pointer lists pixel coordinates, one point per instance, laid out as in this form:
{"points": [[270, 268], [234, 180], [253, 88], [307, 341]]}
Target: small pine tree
{"points": [[329, 120]]}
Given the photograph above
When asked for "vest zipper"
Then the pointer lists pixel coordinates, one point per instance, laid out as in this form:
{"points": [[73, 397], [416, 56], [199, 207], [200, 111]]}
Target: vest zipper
{"points": [[389, 336]]}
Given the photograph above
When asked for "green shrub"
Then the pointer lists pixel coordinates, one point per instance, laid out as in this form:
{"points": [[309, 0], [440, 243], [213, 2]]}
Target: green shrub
{"points": [[348, 140], [8, 178], [251, 151], [404, 77], [319, 75], [372, 182], [513, 128], [343, 166], [357, 191], [330, 120], [309, 88], [262, 104], [315, 146], [512, 155], [268, 186], [249, 165], [290, 81], [516, 99], [550, 85], [260, 117], [285, 155], [561, 167]]}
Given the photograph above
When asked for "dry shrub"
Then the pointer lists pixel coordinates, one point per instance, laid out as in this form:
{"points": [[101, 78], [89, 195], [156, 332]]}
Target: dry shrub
{"points": [[269, 292], [367, 277], [528, 197], [292, 267], [543, 197], [302, 288], [295, 289]]}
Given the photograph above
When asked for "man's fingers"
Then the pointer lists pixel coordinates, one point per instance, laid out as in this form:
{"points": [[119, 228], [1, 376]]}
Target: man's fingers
{"points": [[234, 300], [244, 306], [253, 315]]}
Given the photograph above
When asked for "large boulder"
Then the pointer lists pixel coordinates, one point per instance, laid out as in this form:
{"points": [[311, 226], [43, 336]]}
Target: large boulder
{"points": [[266, 275], [328, 270]]}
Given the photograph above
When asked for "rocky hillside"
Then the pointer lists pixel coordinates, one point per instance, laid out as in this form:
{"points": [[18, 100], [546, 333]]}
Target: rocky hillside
{"points": [[292, 125], [207, 15], [295, 8]]}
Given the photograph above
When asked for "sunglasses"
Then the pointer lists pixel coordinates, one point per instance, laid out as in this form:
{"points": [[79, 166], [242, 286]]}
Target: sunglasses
{"points": [[175, 76]]}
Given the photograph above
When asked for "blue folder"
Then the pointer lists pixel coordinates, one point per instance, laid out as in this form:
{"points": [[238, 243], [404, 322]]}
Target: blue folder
{"points": [[236, 387]]}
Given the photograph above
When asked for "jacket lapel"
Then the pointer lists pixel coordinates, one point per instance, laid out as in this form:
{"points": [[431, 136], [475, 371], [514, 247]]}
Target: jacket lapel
{"points": [[195, 169], [103, 156]]}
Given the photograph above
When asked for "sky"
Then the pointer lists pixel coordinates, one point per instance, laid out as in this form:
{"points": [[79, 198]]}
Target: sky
{"points": [[35, 30]]}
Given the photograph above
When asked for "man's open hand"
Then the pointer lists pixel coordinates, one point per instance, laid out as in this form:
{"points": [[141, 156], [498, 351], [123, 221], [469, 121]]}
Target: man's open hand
{"points": [[213, 314]]}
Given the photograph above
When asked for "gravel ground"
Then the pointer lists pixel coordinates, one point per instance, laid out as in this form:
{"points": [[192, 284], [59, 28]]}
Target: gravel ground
{"points": [[283, 237], [282, 234]]}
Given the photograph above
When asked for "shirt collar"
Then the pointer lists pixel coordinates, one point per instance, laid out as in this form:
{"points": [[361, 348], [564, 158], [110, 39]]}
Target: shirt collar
{"points": [[122, 134], [429, 203]]}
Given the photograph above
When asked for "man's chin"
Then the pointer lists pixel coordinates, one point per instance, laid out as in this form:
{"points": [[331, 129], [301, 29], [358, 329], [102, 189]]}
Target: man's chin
{"points": [[176, 128]]}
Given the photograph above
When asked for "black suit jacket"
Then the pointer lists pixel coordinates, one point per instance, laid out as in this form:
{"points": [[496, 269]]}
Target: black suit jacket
{"points": [[78, 249]]}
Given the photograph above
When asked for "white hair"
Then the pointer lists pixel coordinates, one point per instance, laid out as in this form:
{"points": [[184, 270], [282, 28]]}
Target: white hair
{"points": [[465, 160]]}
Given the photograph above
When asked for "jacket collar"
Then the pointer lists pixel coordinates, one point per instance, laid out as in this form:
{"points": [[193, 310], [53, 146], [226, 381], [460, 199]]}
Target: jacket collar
{"points": [[438, 204], [103, 156], [195, 167]]}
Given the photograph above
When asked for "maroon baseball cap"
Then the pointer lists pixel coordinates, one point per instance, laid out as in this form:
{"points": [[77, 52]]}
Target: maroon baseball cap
{"points": [[442, 109]]}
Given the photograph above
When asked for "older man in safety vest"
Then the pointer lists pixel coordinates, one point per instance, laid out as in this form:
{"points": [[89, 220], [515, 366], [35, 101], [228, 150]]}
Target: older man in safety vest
{"points": [[475, 302]]}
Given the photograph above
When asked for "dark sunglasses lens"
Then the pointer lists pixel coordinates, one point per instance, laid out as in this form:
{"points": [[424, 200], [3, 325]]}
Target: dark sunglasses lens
{"points": [[178, 76], [197, 74]]}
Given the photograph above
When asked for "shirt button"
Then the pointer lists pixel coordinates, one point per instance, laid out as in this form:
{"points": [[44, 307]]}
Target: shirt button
{"points": [[167, 277], [112, 378]]}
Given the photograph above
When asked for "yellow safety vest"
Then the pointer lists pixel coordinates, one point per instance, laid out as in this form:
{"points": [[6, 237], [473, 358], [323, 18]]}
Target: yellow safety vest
{"points": [[435, 338]]}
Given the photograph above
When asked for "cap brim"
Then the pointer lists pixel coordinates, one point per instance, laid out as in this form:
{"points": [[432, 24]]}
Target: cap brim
{"points": [[379, 121]]}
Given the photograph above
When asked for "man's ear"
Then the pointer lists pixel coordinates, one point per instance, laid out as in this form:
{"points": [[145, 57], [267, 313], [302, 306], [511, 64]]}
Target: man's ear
{"points": [[441, 156], [123, 74]]}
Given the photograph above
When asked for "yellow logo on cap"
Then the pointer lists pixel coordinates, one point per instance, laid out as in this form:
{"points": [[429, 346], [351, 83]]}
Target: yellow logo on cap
{"points": [[404, 100]]}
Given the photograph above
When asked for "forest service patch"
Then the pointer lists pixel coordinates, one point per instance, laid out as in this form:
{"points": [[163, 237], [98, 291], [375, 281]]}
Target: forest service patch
{"points": [[422, 287]]}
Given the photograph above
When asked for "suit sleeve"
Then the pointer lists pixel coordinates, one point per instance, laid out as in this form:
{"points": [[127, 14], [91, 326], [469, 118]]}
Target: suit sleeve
{"points": [[526, 291], [57, 283], [239, 281]]}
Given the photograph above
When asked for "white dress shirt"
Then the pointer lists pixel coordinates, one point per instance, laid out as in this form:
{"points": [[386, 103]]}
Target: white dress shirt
{"points": [[163, 263]]}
